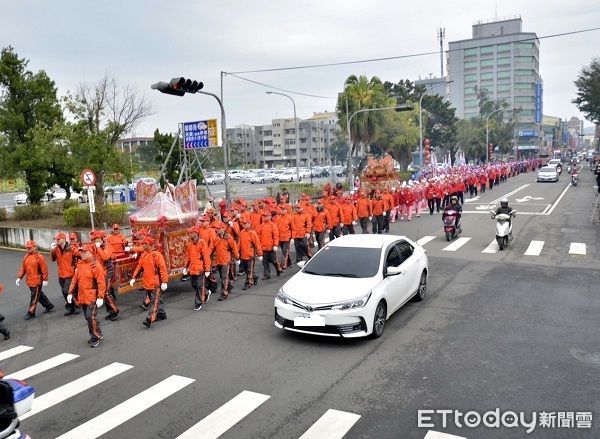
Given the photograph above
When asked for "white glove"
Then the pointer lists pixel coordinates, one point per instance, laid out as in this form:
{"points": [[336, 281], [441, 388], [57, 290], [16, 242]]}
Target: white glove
{"points": [[238, 262], [384, 213], [353, 223], [370, 218], [341, 224], [291, 241], [185, 271], [230, 223], [326, 240], [316, 243], [53, 245], [98, 244], [328, 231], [131, 282], [207, 273], [69, 298], [45, 283], [127, 249], [163, 286], [99, 302], [135, 255], [18, 281], [275, 248], [260, 258]]}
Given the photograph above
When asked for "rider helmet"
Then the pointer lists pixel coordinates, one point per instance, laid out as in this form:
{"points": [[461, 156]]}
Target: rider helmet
{"points": [[504, 202], [454, 199]]}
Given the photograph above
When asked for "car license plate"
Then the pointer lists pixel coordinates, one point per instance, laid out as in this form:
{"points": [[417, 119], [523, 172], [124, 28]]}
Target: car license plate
{"points": [[309, 320]]}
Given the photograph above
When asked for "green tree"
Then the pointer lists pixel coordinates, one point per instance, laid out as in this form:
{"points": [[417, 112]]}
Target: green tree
{"points": [[588, 91], [163, 143], [27, 100], [397, 137], [470, 137]]}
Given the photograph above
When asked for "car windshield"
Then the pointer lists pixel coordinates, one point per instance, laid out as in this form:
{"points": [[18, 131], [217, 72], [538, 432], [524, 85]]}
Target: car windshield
{"points": [[547, 169], [344, 262]]}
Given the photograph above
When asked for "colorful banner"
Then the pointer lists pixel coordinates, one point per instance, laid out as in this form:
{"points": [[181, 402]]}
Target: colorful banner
{"points": [[186, 197], [145, 192]]}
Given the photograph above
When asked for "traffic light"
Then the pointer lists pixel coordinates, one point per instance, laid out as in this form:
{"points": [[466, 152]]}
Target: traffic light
{"points": [[178, 86]]}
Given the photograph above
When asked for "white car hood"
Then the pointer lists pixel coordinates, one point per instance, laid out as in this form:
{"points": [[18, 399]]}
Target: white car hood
{"points": [[312, 289]]}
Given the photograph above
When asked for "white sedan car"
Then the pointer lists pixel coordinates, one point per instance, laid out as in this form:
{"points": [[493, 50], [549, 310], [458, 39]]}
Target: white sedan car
{"points": [[352, 286], [547, 173], [262, 177], [215, 179]]}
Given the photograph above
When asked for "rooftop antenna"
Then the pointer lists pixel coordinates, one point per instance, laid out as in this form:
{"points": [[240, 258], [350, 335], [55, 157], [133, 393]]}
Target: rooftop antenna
{"points": [[441, 33]]}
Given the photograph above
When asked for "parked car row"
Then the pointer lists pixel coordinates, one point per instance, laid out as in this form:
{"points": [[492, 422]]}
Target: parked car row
{"points": [[273, 175]]}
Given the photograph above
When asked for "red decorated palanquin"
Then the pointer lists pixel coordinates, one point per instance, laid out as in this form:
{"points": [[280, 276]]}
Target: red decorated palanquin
{"points": [[379, 174]]}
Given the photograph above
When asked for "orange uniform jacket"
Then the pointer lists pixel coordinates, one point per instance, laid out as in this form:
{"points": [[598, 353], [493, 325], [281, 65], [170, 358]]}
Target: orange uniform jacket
{"points": [[335, 212], [256, 219], [249, 243], [377, 206], [64, 260], [103, 253], [34, 266], [322, 221], [225, 249], [388, 201], [209, 236], [154, 269], [89, 282], [285, 226], [348, 213], [268, 233], [117, 242], [302, 225], [197, 258], [364, 208]]}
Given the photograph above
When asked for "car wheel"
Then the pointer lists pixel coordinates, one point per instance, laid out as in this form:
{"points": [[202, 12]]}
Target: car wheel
{"points": [[422, 287], [379, 320]]}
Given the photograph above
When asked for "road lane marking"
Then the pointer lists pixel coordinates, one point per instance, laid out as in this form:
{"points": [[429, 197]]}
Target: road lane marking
{"points": [[14, 351], [43, 366], [437, 435], [424, 240], [456, 244], [535, 248], [226, 416], [577, 248], [497, 200], [123, 412], [558, 200], [492, 248], [334, 424]]}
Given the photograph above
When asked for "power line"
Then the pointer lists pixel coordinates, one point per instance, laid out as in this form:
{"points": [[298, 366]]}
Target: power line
{"points": [[280, 89], [388, 58]]}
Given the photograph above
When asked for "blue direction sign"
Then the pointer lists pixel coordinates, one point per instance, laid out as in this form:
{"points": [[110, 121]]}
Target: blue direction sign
{"points": [[200, 134]]}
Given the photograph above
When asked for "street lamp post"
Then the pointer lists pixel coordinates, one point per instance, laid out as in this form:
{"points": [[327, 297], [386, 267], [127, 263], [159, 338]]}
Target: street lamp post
{"points": [[421, 117], [296, 130], [487, 132]]}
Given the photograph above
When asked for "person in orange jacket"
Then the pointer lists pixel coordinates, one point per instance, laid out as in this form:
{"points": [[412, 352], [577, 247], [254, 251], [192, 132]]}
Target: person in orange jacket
{"points": [[104, 254], [364, 211], [3, 329], [321, 224], [250, 246], [117, 240], [255, 215], [197, 265], [268, 234], [226, 251], [35, 268], [334, 208], [62, 254], [378, 213], [207, 234], [285, 226], [301, 233], [388, 204], [349, 216], [88, 290], [232, 228], [155, 276]]}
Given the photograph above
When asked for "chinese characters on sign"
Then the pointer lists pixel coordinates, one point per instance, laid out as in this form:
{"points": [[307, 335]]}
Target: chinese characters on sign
{"points": [[201, 134], [538, 101]]}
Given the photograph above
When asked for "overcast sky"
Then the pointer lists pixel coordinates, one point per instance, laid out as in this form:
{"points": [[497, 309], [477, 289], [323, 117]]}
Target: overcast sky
{"points": [[144, 41]]}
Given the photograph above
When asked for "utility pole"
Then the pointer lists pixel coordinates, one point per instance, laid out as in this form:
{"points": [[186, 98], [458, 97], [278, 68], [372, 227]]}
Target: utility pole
{"points": [[441, 33]]}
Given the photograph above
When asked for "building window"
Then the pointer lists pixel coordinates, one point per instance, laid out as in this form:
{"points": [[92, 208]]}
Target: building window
{"points": [[487, 76], [524, 99], [486, 50], [469, 78], [267, 133], [503, 87], [487, 63], [471, 65], [524, 72], [524, 86], [526, 113], [471, 103], [290, 142], [503, 47], [471, 115], [471, 52], [523, 59], [503, 61], [523, 45], [504, 74]]}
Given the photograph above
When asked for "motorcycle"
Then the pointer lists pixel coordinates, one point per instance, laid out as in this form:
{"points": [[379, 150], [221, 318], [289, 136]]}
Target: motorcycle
{"points": [[503, 228], [569, 169], [574, 178], [16, 398], [449, 218]]}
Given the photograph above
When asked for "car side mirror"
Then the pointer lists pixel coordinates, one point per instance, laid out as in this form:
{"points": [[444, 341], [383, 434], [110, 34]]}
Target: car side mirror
{"points": [[301, 264], [394, 271]]}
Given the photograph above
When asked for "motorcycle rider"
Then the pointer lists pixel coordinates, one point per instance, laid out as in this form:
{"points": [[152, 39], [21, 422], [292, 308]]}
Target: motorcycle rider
{"points": [[506, 210], [454, 205]]}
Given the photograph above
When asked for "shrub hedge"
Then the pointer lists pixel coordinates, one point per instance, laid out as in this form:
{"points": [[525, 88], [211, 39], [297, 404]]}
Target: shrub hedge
{"points": [[3, 214], [32, 212], [80, 216]]}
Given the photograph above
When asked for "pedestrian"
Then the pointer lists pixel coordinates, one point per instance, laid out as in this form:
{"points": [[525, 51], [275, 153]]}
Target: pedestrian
{"points": [[35, 268], [88, 289], [268, 234], [301, 232], [388, 203], [250, 246], [226, 251], [3, 329], [104, 254], [153, 267], [63, 255], [197, 265], [335, 212], [349, 216], [321, 224], [364, 211], [285, 224], [378, 213], [117, 240]]}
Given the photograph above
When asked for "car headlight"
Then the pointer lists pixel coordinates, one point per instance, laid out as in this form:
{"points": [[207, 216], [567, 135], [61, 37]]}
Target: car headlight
{"points": [[355, 303], [282, 297]]}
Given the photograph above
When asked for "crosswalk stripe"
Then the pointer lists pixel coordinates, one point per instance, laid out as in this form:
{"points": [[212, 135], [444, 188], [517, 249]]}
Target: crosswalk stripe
{"points": [[14, 351], [456, 244], [43, 366], [577, 248], [75, 387], [226, 416], [425, 239], [334, 424], [492, 248], [535, 248], [437, 435], [135, 405]]}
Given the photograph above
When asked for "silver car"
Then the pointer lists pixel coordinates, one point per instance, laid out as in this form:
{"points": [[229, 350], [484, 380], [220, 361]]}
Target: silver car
{"points": [[547, 173]]}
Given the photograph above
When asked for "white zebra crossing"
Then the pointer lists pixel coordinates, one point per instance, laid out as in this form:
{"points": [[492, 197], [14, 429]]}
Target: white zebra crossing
{"points": [[425, 239], [334, 424], [456, 244], [14, 351], [578, 248], [492, 248], [43, 366], [535, 248]]}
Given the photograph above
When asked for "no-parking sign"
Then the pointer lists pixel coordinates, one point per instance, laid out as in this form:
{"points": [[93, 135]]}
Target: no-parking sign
{"points": [[88, 178]]}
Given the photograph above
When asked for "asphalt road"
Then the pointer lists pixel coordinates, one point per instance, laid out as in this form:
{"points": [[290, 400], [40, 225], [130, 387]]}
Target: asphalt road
{"points": [[497, 330]]}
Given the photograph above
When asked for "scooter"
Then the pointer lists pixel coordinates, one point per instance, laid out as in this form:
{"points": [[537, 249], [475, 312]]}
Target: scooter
{"points": [[574, 178], [503, 228], [16, 398], [449, 218], [569, 169]]}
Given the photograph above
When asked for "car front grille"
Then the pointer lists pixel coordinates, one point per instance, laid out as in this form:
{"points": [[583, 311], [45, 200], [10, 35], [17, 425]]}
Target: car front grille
{"points": [[327, 329]]}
